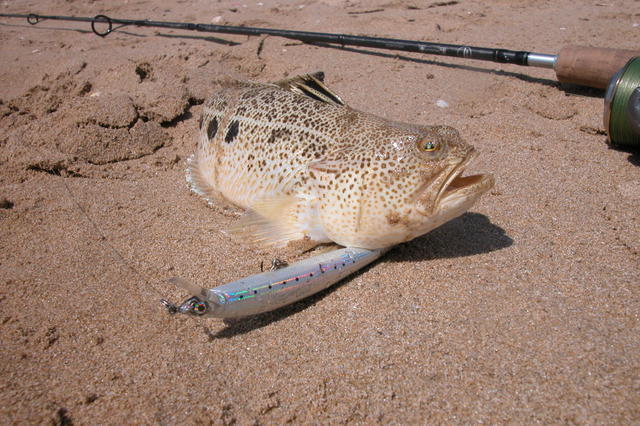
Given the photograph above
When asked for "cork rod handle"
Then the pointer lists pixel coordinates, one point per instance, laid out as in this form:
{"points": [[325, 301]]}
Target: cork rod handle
{"points": [[590, 66]]}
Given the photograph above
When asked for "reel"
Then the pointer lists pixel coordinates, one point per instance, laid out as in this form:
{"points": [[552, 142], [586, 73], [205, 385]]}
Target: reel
{"points": [[622, 106]]}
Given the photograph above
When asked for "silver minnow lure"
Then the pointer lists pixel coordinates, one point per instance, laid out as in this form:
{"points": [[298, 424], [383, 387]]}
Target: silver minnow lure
{"points": [[270, 290]]}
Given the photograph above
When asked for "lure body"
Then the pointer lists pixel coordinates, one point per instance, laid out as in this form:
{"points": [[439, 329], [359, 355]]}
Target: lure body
{"points": [[270, 290]]}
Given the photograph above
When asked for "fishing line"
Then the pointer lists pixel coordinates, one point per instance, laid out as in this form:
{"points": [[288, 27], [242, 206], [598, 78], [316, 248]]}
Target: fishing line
{"points": [[170, 307]]}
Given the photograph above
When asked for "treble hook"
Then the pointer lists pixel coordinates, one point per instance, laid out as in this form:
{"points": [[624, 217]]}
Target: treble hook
{"points": [[192, 305]]}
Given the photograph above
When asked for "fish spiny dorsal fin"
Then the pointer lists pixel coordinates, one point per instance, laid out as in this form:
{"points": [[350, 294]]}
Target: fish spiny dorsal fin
{"points": [[311, 85]]}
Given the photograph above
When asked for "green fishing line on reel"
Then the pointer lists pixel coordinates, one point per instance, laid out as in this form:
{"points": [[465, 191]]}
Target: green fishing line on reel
{"points": [[622, 106]]}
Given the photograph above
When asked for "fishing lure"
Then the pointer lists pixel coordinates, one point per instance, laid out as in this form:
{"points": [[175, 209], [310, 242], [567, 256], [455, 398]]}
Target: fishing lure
{"points": [[273, 289]]}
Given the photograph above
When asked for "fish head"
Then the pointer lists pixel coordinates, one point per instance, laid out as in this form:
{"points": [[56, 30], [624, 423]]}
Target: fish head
{"points": [[414, 185], [435, 160]]}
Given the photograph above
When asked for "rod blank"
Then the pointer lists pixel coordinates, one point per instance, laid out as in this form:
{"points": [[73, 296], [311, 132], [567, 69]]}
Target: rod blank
{"points": [[587, 66], [454, 50]]}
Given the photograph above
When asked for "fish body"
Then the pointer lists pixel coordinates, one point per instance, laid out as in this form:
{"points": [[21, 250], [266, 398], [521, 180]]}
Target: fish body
{"points": [[306, 166]]}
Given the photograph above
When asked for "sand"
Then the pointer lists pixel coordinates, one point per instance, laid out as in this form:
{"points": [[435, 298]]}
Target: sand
{"points": [[523, 310]]}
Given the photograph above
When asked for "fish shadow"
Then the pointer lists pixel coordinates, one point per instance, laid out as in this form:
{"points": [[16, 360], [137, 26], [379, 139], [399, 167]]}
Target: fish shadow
{"points": [[467, 235]]}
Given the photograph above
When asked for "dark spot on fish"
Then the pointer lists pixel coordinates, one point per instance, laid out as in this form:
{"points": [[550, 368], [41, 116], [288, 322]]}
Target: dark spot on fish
{"points": [[272, 137], [278, 134], [232, 132], [212, 128], [393, 218]]}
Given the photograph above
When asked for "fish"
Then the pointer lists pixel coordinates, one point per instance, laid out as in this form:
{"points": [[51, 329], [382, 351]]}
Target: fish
{"points": [[305, 167]]}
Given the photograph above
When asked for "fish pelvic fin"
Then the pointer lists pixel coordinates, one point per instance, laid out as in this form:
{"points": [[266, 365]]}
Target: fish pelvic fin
{"points": [[275, 222], [311, 86], [199, 184]]}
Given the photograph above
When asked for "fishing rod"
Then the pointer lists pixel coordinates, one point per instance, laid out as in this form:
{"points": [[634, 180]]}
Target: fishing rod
{"points": [[586, 66]]}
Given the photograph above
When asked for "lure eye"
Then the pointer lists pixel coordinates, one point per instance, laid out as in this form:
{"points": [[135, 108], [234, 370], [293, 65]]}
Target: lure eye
{"points": [[429, 146], [198, 307]]}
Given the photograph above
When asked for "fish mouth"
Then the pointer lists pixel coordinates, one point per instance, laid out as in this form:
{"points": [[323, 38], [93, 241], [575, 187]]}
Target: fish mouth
{"points": [[457, 186]]}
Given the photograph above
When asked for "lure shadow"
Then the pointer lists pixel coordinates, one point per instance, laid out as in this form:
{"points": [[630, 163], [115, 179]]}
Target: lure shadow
{"points": [[238, 326], [467, 235]]}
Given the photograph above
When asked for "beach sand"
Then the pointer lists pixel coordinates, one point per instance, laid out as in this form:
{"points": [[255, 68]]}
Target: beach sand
{"points": [[523, 310]]}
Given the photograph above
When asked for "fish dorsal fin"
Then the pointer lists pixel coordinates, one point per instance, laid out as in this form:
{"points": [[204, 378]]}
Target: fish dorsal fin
{"points": [[311, 86]]}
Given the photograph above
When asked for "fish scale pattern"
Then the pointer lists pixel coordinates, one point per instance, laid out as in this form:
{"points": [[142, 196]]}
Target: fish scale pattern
{"points": [[314, 170]]}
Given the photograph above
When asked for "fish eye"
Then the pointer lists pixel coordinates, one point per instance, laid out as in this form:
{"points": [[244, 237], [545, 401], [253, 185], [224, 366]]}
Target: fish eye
{"points": [[429, 146]]}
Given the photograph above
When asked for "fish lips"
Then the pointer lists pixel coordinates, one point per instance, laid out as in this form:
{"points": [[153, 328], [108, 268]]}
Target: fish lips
{"points": [[454, 188]]}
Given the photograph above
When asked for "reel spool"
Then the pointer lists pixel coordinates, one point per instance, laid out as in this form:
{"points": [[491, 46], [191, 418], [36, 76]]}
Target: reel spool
{"points": [[622, 106]]}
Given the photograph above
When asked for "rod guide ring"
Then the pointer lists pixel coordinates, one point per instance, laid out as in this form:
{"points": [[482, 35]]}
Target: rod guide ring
{"points": [[101, 19]]}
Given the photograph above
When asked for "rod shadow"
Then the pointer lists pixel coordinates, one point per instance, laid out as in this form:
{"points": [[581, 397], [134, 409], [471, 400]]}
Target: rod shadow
{"points": [[570, 89], [211, 39], [467, 235], [75, 30], [472, 68], [119, 29]]}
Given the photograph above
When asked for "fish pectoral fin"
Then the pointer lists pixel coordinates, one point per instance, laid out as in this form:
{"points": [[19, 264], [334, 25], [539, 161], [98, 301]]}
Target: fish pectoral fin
{"points": [[312, 86], [332, 163], [269, 223], [198, 184], [325, 166]]}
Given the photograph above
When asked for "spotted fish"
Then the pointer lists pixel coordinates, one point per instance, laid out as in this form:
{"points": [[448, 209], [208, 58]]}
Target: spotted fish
{"points": [[307, 167]]}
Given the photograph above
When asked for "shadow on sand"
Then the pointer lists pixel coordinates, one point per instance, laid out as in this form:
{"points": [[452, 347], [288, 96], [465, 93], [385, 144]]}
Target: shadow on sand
{"points": [[467, 235]]}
